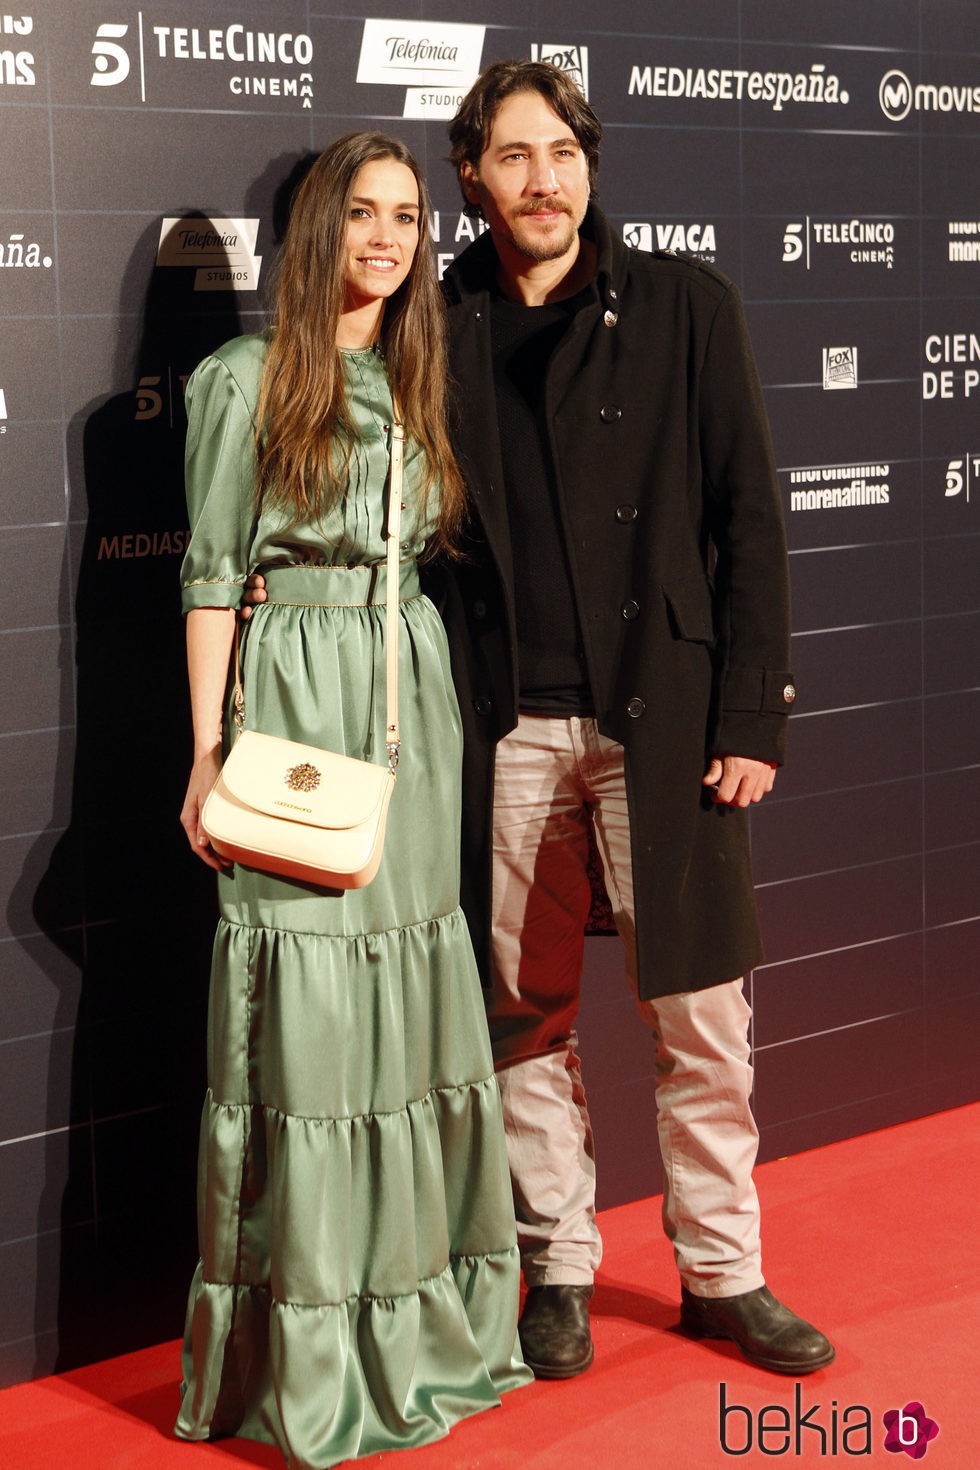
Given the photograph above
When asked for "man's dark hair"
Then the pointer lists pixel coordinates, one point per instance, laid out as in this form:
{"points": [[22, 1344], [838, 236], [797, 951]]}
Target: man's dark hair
{"points": [[469, 131]]}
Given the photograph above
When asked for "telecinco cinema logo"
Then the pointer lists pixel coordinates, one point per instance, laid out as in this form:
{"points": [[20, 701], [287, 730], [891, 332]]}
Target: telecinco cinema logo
{"points": [[259, 63], [437, 63], [962, 476], [898, 97], [16, 62], [572, 60], [859, 241]]}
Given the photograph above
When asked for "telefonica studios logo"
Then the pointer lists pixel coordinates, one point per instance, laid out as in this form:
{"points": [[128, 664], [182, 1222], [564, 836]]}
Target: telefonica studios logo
{"points": [[897, 97], [436, 62], [222, 250], [779, 1430]]}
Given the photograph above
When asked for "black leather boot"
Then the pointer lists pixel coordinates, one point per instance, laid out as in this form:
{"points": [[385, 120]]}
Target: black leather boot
{"points": [[554, 1331], [766, 1332]]}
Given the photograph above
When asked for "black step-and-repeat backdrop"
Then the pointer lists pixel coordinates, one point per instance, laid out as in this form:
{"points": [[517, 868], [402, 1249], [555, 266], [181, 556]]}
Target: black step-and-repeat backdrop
{"points": [[825, 156]]}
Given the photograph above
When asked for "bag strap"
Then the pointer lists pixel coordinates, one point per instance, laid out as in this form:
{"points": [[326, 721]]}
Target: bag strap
{"points": [[392, 587]]}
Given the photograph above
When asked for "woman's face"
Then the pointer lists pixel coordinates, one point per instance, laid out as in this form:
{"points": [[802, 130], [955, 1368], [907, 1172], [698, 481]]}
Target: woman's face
{"points": [[382, 231]]}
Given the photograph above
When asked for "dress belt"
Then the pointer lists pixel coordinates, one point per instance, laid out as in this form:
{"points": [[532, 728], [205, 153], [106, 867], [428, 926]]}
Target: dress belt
{"points": [[307, 586]]}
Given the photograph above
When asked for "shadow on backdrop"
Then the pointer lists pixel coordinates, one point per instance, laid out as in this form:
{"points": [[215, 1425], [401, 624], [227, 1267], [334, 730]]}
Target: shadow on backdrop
{"points": [[121, 896]]}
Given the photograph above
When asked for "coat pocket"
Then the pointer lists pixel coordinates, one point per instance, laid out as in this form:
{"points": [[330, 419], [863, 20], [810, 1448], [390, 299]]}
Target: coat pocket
{"points": [[690, 610]]}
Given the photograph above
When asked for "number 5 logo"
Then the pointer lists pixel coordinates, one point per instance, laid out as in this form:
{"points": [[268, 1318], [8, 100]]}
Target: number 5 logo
{"points": [[792, 244], [111, 61]]}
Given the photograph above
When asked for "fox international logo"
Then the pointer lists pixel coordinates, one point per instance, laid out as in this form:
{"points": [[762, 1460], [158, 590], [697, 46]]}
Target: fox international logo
{"points": [[572, 60], [840, 367]]}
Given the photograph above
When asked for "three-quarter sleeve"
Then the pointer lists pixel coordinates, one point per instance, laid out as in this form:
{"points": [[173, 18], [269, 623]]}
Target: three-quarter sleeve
{"points": [[219, 471]]}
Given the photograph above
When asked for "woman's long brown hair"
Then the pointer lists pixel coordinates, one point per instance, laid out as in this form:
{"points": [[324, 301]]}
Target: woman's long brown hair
{"points": [[304, 434]]}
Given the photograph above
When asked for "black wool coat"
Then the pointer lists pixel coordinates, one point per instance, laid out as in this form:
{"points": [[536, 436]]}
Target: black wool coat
{"points": [[671, 510]]}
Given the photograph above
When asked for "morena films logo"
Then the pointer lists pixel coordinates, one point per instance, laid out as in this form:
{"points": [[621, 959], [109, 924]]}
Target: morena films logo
{"points": [[828, 1430]]}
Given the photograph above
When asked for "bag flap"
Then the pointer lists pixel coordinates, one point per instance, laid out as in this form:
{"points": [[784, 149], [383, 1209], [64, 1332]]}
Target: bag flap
{"points": [[303, 783]]}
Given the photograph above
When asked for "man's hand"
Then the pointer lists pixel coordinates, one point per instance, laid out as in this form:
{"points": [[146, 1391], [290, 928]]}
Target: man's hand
{"points": [[739, 781], [252, 594]]}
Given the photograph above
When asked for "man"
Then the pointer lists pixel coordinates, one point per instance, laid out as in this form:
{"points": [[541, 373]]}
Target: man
{"points": [[620, 637], [620, 640]]}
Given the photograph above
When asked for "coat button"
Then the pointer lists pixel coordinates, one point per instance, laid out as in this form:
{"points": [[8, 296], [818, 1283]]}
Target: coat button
{"points": [[479, 608], [609, 413], [483, 705], [789, 693], [612, 295], [625, 514], [610, 318], [630, 610], [635, 708]]}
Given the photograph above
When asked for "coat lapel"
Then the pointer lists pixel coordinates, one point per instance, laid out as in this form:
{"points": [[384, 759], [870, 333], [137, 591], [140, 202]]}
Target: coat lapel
{"points": [[477, 435]]}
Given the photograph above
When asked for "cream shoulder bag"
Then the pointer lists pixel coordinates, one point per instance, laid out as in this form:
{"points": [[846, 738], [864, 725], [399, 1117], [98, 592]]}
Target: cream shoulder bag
{"points": [[300, 811]]}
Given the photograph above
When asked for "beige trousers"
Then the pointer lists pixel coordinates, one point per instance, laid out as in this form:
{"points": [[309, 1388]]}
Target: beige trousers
{"points": [[552, 777]]}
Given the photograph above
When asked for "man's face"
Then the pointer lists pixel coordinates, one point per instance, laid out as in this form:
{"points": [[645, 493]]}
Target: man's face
{"points": [[532, 182]]}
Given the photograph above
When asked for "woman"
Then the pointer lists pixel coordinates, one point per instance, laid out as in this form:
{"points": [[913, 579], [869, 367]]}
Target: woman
{"points": [[358, 1283]]}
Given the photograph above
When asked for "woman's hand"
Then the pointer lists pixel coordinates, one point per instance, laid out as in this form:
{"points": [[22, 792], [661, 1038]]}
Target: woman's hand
{"points": [[204, 773]]}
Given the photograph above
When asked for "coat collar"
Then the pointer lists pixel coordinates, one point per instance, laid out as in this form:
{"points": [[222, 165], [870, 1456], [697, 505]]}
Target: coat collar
{"points": [[469, 278]]}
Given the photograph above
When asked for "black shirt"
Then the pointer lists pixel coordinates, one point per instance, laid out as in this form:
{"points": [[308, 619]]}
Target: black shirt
{"points": [[553, 675]]}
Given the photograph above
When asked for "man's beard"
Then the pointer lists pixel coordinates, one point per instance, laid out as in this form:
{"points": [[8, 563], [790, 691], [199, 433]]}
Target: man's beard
{"points": [[545, 247]]}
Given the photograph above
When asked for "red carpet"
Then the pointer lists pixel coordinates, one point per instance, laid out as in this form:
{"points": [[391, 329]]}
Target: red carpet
{"points": [[874, 1239]]}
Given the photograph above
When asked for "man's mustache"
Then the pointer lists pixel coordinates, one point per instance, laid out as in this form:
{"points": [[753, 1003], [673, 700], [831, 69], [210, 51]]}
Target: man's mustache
{"points": [[545, 206]]}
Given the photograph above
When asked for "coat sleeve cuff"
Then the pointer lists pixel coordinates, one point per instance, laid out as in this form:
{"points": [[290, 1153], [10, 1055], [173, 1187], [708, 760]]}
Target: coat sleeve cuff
{"points": [[758, 691], [752, 718]]}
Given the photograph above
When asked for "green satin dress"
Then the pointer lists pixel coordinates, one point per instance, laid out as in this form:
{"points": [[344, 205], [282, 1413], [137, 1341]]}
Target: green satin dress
{"points": [[358, 1283]]}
